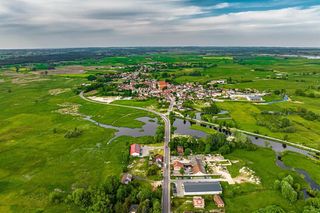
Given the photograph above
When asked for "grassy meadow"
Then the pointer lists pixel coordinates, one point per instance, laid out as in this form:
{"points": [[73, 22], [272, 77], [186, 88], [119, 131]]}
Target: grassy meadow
{"points": [[37, 111], [36, 158], [250, 197]]}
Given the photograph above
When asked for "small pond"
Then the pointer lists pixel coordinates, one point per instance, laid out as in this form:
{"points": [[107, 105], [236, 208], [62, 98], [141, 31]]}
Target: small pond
{"points": [[148, 129]]}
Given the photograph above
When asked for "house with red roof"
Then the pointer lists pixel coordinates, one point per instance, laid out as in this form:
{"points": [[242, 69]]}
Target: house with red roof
{"points": [[177, 165], [162, 85], [218, 201], [135, 150]]}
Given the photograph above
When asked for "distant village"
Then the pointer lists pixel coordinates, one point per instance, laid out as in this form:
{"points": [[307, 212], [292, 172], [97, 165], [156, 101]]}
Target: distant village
{"points": [[144, 89]]}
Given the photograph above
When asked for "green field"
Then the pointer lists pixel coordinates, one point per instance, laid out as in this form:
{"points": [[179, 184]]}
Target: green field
{"points": [[37, 159], [245, 116], [250, 197], [312, 166]]}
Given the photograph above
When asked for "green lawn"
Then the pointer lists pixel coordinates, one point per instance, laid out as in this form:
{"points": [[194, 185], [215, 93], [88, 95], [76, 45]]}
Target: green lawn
{"points": [[203, 129]]}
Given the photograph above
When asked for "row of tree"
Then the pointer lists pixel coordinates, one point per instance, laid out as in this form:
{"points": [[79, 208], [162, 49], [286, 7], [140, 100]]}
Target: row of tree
{"points": [[275, 123], [213, 143]]}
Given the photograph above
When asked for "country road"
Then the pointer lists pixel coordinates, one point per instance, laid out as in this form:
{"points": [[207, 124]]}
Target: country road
{"points": [[166, 199]]}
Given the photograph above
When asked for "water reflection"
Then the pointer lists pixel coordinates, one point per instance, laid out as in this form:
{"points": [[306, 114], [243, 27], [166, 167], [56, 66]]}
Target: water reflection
{"points": [[183, 127], [148, 129]]}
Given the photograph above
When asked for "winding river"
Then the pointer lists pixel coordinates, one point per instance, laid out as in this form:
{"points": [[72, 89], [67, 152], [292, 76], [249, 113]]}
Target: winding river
{"points": [[183, 127]]}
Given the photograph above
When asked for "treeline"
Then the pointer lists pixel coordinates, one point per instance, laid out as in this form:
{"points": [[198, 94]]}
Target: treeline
{"points": [[102, 83], [275, 123], [215, 143], [211, 110], [159, 136], [303, 112], [305, 93], [112, 196]]}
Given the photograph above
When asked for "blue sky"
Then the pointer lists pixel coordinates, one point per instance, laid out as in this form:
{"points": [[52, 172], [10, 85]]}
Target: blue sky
{"points": [[83, 23]]}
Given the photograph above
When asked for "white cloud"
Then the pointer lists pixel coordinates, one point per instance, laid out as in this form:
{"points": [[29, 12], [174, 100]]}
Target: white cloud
{"points": [[221, 5], [282, 19], [148, 22]]}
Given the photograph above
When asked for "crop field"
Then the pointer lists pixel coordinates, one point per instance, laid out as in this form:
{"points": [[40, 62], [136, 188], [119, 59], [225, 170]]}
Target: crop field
{"points": [[35, 156]]}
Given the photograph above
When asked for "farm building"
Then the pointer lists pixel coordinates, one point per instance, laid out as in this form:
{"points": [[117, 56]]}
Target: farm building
{"points": [[218, 201], [202, 188], [198, 202], [135, 150]]}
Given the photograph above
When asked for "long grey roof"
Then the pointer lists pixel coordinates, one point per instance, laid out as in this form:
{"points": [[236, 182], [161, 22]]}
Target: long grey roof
{"points": [[202, 187]]}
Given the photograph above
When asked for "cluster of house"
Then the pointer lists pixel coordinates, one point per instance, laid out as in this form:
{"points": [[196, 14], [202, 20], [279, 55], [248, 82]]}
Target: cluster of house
{"points": [[193, 167], [199, 175], [189, 91], [136, 150]]}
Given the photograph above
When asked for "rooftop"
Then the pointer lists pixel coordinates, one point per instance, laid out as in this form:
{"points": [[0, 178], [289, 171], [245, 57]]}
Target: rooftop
{"points": [[202, 187]]}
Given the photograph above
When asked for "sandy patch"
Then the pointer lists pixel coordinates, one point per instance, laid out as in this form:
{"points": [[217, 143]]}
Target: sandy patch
{"points": [[58, 91], [69, 109], [108, 99], [156, 184], [247, 176]]}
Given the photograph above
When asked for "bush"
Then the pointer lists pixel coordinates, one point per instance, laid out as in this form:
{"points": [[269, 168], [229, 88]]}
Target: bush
{"points": [[73, 133], [270, 209], [56, 197]]}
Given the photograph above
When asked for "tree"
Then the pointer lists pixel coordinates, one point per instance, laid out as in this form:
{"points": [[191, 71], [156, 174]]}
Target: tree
{"points": [[81, 197], [156, 206], [144, 207], [225, 149], [208, 148], [211, 110], [159, 134], [181, 171], [118, 208], [121, 193], [91, 77], [277, 185], [288, 192], [152, 170], [187, 151], [56, 197]]}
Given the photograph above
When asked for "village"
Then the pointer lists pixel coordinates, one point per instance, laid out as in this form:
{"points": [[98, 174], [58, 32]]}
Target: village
{"points": [[143, 88], [194, 178]]}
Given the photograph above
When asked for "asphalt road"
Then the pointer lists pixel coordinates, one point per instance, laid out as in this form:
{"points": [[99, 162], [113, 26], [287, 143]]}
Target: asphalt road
{"points": [[166, 198]]}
